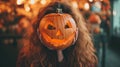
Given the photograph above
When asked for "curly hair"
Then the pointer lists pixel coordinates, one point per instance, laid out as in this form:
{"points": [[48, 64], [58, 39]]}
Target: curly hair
{"points": [[35, 54]]}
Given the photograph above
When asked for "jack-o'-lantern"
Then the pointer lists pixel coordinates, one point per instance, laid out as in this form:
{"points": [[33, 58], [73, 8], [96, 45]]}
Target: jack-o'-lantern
{"points": [[57, 30]]}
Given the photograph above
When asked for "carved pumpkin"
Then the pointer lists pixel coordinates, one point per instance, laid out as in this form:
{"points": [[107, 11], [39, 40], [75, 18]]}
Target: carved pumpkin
{"points": [[57, 31]]}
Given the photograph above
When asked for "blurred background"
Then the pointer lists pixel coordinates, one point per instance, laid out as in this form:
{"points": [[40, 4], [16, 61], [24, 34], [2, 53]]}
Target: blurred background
{"points": [[102, 18]]}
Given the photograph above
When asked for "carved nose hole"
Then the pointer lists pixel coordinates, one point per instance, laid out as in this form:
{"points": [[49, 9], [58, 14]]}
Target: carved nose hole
{"points": [[59, 33]]}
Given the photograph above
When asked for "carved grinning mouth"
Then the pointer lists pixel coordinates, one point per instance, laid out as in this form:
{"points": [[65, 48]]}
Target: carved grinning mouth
{"points": [[57, 43]]}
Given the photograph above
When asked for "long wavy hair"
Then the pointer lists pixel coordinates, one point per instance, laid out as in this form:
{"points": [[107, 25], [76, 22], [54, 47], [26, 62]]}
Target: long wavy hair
{"points": [[35, 54]]}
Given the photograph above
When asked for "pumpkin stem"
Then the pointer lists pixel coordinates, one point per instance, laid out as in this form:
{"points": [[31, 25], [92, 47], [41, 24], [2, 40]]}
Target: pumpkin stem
{"points": [[60, 55], [59, 10]]}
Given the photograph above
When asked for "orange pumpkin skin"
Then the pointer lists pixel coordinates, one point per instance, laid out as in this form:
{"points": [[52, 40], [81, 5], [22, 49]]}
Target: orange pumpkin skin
{"points": [[57, 30]]}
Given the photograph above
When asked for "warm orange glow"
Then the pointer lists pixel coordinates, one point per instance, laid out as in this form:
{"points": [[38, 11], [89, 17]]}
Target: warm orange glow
{"points": [[86, 6], [24, 23], [19, 2], [75, 5], [27, 8], [57, 42], [58, 33], [43, 2], [69, 24], [32, 1], [90, 0]]}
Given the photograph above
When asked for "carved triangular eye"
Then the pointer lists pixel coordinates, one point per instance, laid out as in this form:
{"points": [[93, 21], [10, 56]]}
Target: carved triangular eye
{"points": [[68, 25], [50, 27]]}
